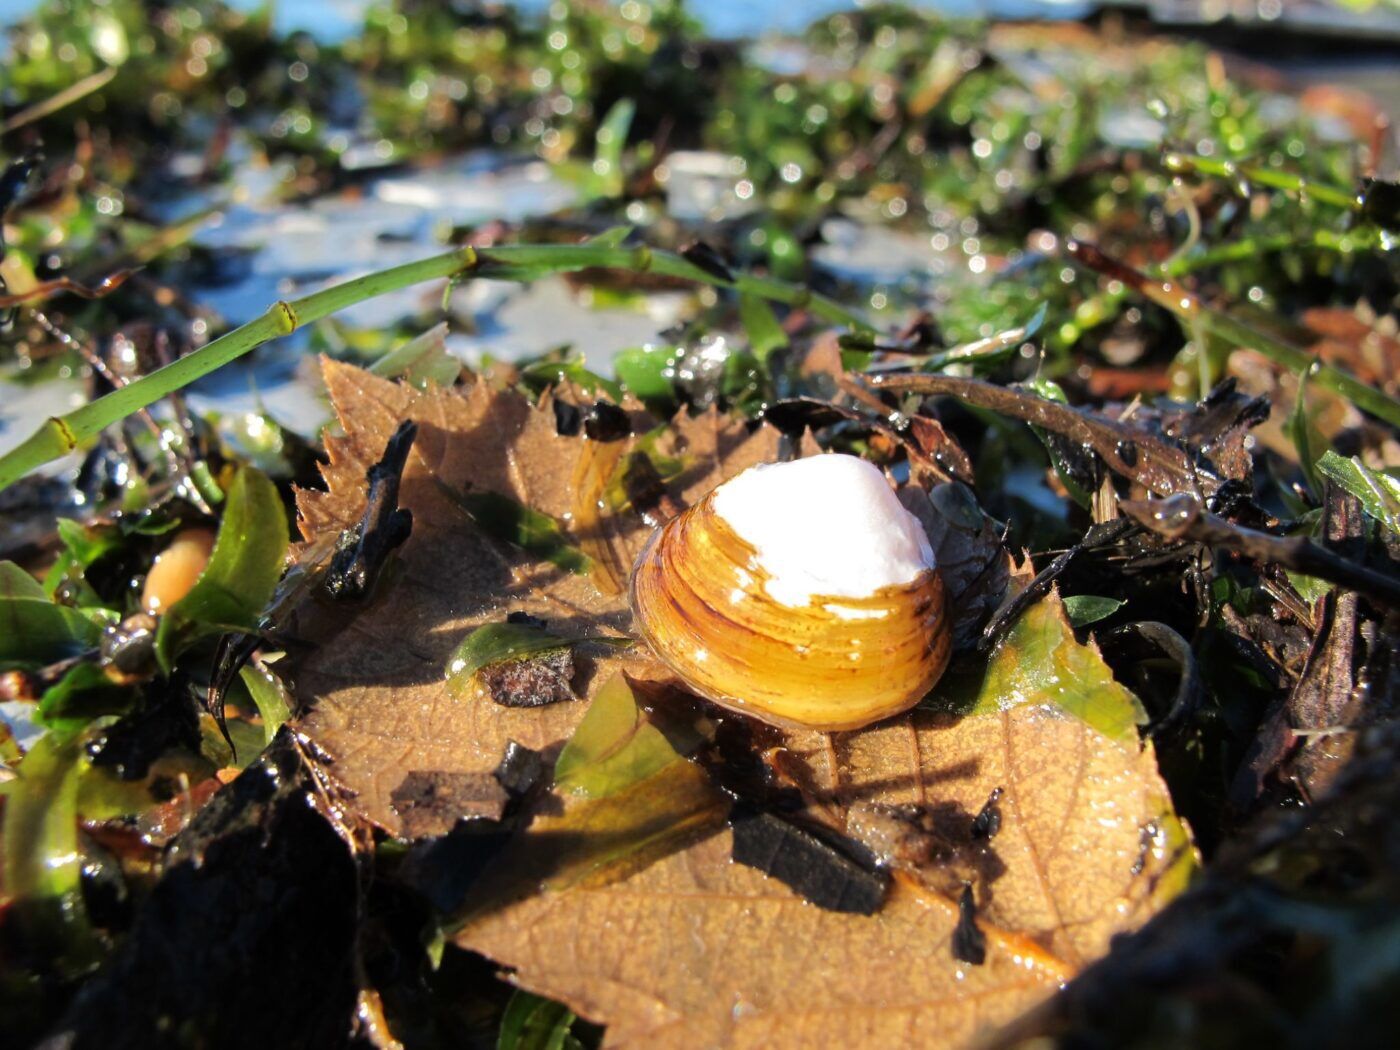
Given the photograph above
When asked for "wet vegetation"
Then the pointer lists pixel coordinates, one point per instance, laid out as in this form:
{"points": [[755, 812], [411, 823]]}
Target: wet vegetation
{"points": [[320, 737]]}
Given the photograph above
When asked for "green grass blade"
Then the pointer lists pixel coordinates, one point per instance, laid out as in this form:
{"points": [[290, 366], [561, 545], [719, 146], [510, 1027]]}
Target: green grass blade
{"points": [[1186, 305], [60, 435]]}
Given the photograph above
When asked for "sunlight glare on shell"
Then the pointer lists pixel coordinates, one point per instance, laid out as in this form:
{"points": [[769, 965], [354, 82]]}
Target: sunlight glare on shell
{"points": [[826, 526]]}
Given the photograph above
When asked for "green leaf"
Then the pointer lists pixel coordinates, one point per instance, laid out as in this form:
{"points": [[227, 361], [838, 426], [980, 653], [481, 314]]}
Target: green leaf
{"points": [[245, 741], [598, 840], [257, 439], [150, 524], [744, 384], [609, 142], [16, 583], [1039, 662], [555, 372], [761, 324], [206, 483], [532, 1022], [1305, 436], [496, 643], [269, 697], [1084, 609], [87, 543], [82, 694], [646, 371], [1379, 493], [630, 796], [42, 862], [83, 546], [612, 237], [1036, 322], [1309, 588], [614, 747], [422, 360], [102, 795], [856, 349], [242, 573], [668, 469], [34, 631], [992, 349], [505, 519], [604, 297], [1051, 392]]}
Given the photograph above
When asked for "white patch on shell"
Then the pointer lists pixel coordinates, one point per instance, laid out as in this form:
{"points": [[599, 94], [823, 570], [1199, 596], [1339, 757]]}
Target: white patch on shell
{"points": [[827, 526], [850, 612]]}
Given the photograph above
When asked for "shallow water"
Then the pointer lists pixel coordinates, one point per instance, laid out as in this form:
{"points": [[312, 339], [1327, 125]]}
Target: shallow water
{"points": [[279, 251]]}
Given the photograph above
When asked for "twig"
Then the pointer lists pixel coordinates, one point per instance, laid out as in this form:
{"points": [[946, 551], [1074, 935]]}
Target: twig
{"points": [[1182, 517], [48, 289], [362, 548], [1158, 466], [1190, 692], [230, 654], [173, 461]]}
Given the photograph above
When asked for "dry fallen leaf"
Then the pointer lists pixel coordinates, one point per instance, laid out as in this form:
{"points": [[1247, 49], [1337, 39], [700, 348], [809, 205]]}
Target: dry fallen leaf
{"points": [[699, 951], [375, 685], [695, 949]]}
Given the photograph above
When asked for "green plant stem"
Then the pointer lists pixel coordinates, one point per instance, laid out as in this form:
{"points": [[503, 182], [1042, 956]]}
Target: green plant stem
{"points": [[1180, 163], [1196, 314], [1253, 247], [60, 435], [46, 107]]}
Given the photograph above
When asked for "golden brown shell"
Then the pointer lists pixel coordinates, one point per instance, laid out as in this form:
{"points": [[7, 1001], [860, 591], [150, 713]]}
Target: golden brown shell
{"points": [[698, 598]]}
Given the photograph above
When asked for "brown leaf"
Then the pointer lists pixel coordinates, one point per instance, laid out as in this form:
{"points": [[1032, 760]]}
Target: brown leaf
{"points": [[375, 682], [1329, 413], [1087, 844], [1076, 812], [694, 949], [1300, 892], [699, 951], [1219, 427], [937, 445]]}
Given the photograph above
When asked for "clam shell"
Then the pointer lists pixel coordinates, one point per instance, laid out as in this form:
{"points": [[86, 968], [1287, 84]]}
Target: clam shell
{"points": [[837, 663]]}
